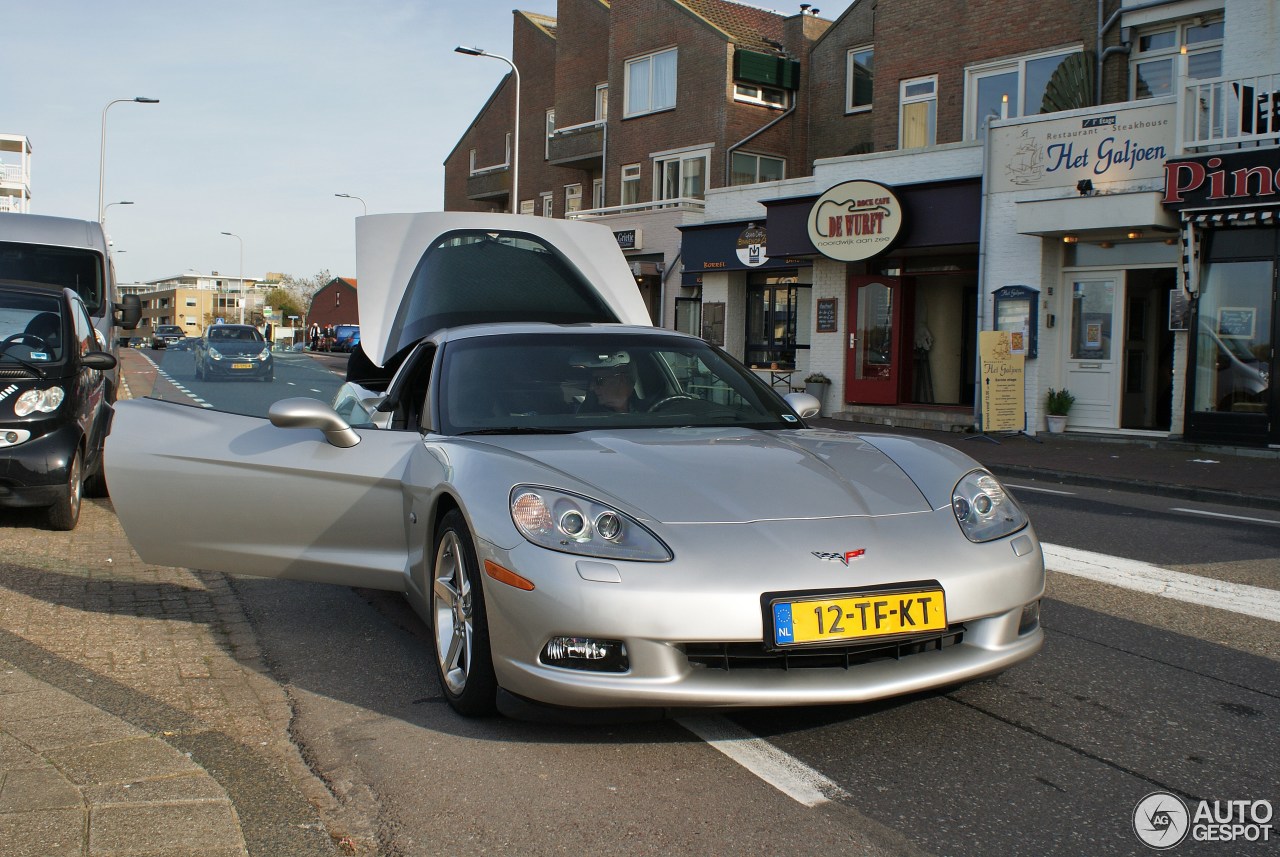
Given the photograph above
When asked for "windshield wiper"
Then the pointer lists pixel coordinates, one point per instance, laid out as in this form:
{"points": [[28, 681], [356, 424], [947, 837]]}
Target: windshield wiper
{"points": [[518, 430], [4, 349]]}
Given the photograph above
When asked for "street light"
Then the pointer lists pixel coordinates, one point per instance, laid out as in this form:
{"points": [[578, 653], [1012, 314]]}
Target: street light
{"points": [[515, 139], [102, 146], [241, 240], [108, 205], [349, 196]]}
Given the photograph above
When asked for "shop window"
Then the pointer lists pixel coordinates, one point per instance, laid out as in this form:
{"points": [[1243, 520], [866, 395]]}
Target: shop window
{"points": [[1020, 87], [918, 112], [1232, 360], [772, 310], [859, 80], [752, 169], [1153, 62], [651, 83]]}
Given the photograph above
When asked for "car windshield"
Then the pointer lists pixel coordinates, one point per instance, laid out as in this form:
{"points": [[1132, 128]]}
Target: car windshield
{"points": [[579, 382], [30, 328], [225, 333], [75, 269]]}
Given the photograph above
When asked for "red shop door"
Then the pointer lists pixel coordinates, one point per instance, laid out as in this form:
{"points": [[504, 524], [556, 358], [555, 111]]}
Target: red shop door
{"points": [[875, 328]]}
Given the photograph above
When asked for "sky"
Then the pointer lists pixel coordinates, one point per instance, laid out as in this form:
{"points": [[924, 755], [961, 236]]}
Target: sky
{"points": [[267, 109]]}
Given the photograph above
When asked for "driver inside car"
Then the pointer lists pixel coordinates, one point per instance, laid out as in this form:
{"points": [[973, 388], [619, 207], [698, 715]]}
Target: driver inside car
{"points": [[610, 385]]}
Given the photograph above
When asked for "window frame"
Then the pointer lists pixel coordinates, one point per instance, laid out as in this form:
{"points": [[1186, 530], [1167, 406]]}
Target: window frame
{"points": [[548, 203], [757, 157], [904, 100], [759, 100], [659, 172], [631, 178], [1180, 29], [572, 193], [849, 89], [974, 74], [627, 76], [602, 102]]}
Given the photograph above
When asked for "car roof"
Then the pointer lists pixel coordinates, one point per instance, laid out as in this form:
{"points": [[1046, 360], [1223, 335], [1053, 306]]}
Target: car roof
{"points": [[389, 248], [54, 231]]}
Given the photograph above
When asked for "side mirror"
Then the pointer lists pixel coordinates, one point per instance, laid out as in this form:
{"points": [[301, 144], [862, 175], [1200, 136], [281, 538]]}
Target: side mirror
{"points": [[302, 412], [803, 404], [128, 312], [100, 360]]}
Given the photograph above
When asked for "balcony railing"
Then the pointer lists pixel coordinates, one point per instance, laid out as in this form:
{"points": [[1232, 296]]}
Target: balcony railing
{"points": [[684, 202], [1229, 113], [14, 174]]}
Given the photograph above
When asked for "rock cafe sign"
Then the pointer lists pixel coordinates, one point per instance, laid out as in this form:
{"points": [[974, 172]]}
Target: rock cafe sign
{"points": [[855, 220]]}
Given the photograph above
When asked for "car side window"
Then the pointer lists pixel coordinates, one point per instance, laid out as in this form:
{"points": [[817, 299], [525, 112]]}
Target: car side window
{"points": [[83, 329]]}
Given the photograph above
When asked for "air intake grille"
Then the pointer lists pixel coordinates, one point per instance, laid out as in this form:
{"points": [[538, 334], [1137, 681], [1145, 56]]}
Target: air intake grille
{"points": [[754, 656]]}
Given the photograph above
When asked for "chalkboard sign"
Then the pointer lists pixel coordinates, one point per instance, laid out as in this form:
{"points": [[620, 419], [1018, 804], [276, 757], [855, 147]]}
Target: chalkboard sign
{"points": [[826, 321], [1237, 322]]}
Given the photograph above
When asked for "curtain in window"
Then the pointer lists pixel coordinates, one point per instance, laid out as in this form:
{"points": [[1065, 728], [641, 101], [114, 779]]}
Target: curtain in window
{"points": [[917, 124], [664, 81], [638, 86]]}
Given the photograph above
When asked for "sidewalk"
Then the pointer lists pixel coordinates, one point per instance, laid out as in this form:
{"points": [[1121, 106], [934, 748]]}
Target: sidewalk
{"points": [[1204, 474]]}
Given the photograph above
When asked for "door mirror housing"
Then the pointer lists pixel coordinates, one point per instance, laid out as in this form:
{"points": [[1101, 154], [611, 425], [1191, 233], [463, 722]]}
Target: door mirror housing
{"points": [[803, 404], [128, 312], [302, 412], [99, 360]]}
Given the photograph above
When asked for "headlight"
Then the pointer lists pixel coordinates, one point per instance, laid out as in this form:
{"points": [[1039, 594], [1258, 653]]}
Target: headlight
{"points": [[264, 354], [984, 509], [568, 523], [214, 353], [44, 401]]}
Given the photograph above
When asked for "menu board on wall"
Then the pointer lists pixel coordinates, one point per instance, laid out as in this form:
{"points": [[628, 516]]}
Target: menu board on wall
{"points": [[826, 320], [1003, 383]]}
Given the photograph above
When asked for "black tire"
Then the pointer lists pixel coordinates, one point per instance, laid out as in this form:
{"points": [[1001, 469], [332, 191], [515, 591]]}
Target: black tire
{"points": [[64, 514], [460, 626]]}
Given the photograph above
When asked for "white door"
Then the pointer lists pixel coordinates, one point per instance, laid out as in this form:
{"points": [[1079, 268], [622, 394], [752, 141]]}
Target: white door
{"points": [[1094, 357]]}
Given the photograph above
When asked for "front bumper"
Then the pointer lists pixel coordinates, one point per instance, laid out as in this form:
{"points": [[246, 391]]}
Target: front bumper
{"points": [[670, 614], [249, 367], [34, 473]]}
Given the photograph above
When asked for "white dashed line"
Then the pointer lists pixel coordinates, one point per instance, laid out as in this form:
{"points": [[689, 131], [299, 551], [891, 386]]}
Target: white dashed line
{"points": [[163, 374], [1228, 517], [1141, 577], [785, 773], [1041, 490]]}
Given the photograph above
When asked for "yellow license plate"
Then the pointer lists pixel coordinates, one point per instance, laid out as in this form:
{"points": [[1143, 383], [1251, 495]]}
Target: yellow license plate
{"points": [[241, 365], [836, 618]]}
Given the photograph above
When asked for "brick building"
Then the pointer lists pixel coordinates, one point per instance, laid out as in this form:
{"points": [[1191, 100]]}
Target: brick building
{"points": [[334, 303]]}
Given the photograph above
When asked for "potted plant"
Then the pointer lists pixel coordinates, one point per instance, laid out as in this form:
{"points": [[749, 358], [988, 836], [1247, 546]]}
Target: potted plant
{"points": [[815, 384], [1057, 405]]}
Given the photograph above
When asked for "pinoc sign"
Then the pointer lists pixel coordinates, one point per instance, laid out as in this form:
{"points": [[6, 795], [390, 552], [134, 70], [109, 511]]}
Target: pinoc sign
{"points": [[855, 220], [1239, 178]]}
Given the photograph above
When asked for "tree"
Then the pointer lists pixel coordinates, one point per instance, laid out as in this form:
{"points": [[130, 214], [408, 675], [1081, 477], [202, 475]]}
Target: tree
{"points": [[285, 304]]}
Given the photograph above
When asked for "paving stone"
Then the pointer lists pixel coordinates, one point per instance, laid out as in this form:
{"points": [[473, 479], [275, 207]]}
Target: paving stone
{"points": [[58, 730], [37, 789], [127, 829], [120, 761], [45, 833]]}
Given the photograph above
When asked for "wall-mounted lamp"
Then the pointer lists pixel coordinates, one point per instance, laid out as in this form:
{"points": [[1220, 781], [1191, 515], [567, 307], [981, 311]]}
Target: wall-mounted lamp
{"points": [[1085, 186], [1171, 241], [1105, 245], [1070, 239], [1135, 234]]}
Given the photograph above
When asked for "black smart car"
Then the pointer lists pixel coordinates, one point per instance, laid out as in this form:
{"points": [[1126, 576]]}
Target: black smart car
{"points": [[54, 413]]}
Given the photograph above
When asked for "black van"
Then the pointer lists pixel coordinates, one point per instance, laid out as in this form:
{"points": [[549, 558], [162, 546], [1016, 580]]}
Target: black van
{"points": [[54, 409]]}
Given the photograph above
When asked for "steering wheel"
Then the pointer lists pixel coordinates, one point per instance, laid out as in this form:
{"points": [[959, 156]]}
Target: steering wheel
{"points": [[668, 399], [18, 337]]}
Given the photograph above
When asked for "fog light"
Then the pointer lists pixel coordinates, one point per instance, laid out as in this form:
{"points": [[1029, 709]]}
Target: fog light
{"points": [[1030, 618], [585, 653]]}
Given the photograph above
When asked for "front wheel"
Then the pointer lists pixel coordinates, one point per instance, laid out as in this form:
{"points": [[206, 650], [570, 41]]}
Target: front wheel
{"points": [[460, 629], [64, 514]]}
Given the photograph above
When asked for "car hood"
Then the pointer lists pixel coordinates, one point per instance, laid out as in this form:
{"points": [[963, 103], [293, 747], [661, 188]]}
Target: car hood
{"points": [[234, 348], [390, 246], [721, 475]]}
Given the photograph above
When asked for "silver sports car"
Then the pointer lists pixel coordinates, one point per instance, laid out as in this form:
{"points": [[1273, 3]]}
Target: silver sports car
{"points": [[586, 510]]}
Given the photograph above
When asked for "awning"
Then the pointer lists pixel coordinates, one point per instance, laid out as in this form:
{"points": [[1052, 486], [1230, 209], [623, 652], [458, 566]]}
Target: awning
{"points": [[1238, 217], [740, 245]]}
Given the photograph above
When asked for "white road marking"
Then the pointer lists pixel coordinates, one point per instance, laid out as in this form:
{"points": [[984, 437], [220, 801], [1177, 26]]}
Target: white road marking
{"points": [[1041, 490], [785, 773], [1228, 517], [1141, 577]]}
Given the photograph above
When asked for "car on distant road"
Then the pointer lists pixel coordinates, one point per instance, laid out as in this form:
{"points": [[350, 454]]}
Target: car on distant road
{"points": [[54, 413], [346, 338], [166, 335], [588, 511], [233, 351]]}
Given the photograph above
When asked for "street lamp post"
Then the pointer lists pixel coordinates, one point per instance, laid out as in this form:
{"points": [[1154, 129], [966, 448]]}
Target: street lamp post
{"points": [[103, 221], [102, 146], [241, 240], [515, 138], [358, 199]]}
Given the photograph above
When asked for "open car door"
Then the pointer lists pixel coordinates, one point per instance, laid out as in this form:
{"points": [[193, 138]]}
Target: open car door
{"points": [[225, 492]]}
